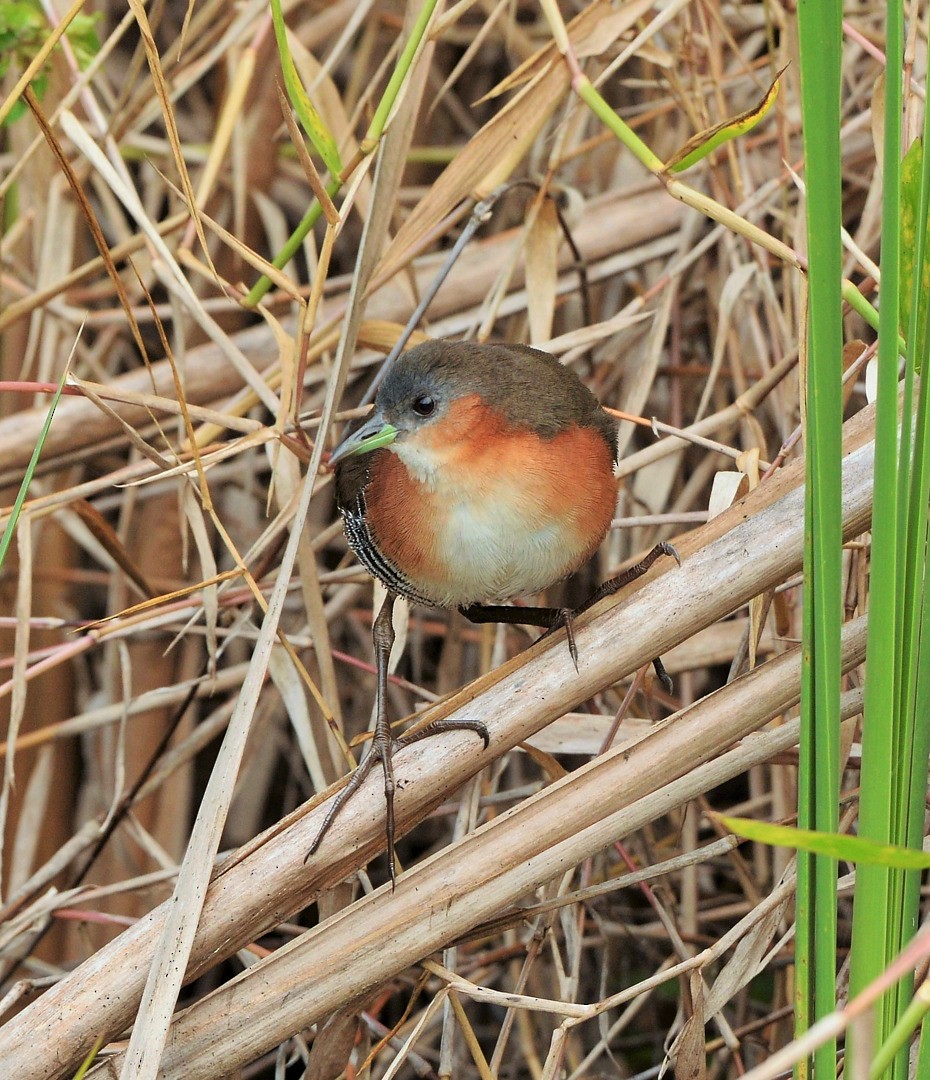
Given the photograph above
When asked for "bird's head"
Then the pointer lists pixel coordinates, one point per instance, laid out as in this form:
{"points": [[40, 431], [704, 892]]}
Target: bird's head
{"points": [[413, 396], [442, 395]]}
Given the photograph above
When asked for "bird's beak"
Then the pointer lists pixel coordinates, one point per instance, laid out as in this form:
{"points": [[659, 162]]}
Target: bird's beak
{"points": [[372, 435]]}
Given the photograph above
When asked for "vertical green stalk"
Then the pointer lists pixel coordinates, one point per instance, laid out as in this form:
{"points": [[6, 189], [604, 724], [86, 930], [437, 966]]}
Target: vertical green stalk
{"points": [[874, 934], [321, 137], [820, 32], [896, 736], [915, 677], [398, 77], [917, 635], [923, 1053]]}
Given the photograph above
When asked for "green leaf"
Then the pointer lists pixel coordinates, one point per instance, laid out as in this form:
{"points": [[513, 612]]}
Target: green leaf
{"points": [[705, 142], [857, 849], [911, 167], [82, 33], [21, 21], [18, 110], [310, 120], [23, 31]]}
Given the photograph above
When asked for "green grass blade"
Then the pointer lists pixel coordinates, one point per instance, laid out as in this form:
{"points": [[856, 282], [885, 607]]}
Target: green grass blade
{"points": [[915, 287], [89, 1060], [878, 889], [820, 33], [401, 71], [915, 719], [368, 145], [923, 1052], [291, 246], [837, 846], [897, 1042], [10, 529], [704, 143]]}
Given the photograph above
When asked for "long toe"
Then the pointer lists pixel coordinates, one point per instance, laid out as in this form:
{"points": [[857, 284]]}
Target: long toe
{"points": [[438, 726]]}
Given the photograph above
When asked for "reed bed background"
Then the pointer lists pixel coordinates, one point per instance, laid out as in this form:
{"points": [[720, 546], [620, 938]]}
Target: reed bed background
{"points": [[186, 642]]}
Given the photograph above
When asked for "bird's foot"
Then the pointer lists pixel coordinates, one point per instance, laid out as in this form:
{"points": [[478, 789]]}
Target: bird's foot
{"points": [[382, 749], [565, 616], [631, 574]]}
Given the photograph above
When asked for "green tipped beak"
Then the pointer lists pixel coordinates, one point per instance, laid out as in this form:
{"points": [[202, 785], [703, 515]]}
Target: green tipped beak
{"points": [[372, 435]]}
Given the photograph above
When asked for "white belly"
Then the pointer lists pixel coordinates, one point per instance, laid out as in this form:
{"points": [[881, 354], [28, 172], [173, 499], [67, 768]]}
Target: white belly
{"points": [[492, 554]]}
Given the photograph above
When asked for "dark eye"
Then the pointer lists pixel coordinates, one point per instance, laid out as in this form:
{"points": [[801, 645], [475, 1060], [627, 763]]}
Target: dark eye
{"points": [[424, 406]]}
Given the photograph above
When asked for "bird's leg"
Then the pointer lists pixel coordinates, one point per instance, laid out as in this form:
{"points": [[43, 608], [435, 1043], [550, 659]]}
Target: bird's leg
{"points": [[554, 618], [613, 585], [383, 744], [549, 618]]}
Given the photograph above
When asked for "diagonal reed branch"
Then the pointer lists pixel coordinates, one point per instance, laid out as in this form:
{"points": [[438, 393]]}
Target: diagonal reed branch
{"points": [[444, 897]]}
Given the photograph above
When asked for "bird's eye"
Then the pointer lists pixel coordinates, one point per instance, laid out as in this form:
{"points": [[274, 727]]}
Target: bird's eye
{"points": [[424, 406]]}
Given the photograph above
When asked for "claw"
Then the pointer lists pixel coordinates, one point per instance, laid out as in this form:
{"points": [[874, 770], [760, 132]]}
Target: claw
{"points": [[565, 617], [447, 725], [381, 750], [558, 618], [671, 550], [663, 676]]}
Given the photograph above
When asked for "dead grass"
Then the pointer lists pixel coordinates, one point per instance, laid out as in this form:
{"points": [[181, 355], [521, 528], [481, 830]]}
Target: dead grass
{"points": [[186, 644]]}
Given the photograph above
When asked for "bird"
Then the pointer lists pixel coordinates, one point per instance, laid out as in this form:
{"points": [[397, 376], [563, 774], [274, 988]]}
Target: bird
{"points": [[484, 473]]}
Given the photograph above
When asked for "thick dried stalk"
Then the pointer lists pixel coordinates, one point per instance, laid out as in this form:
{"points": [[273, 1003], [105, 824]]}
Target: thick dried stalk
{"points": [[473, 880]]}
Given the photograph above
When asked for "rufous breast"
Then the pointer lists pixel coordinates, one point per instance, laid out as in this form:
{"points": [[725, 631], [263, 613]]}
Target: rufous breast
{"points": [[473, 509]]}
